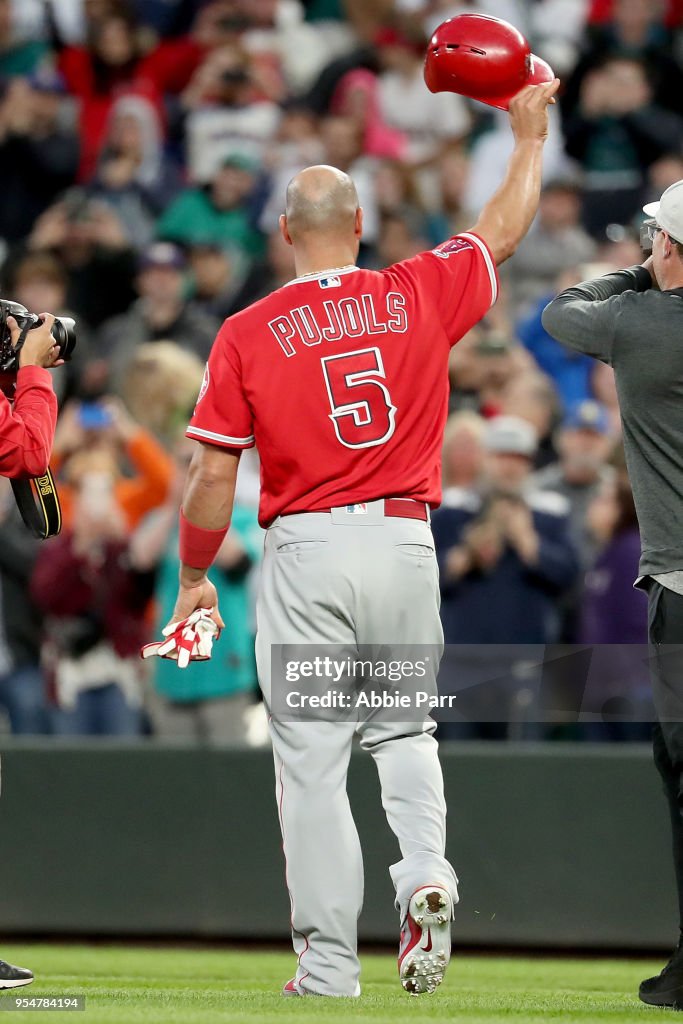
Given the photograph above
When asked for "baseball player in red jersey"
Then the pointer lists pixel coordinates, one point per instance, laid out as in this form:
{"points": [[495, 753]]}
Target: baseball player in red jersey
{"points": [[341, 380]]}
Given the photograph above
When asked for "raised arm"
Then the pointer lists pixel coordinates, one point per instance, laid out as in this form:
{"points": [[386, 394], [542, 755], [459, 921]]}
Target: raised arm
{"points": [[507, 216], [584, 317]]}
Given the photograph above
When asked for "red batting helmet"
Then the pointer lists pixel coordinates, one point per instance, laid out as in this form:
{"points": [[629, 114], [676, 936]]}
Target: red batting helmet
{"points": [[484, 58]]}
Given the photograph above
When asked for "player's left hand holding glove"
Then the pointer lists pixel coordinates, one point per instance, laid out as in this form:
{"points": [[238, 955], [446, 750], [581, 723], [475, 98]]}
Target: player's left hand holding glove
{"points": [[194, 625]]}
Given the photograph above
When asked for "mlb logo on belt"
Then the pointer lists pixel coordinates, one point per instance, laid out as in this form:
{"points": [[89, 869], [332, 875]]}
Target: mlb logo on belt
{"points": [[330, 282], [359, 509]]}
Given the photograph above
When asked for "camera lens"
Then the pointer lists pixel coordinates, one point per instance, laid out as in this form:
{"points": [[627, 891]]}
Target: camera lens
{"points": [[64, 333]]}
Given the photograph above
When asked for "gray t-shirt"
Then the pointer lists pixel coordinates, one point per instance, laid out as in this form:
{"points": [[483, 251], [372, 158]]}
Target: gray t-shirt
{"points": [[638, 330], [671, 580]]}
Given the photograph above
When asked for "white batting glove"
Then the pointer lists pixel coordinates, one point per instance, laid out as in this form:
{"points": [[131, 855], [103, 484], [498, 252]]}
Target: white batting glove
{"points": [[191, 639]]}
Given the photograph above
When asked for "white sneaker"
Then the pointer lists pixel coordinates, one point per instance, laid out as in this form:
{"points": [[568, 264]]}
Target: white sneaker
{"points": [[425, 947]]}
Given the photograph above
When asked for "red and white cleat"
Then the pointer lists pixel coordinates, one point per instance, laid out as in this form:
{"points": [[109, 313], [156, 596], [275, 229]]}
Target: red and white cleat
{"points": [[290, 989], [425, 947]]}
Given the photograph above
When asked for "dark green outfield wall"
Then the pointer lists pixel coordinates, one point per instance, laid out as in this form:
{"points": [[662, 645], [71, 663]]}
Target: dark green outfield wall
{"points": [[559, 845]]}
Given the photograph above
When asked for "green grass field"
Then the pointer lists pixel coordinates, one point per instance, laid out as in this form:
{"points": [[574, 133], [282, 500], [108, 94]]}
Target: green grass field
{"points": [[127, 985]]}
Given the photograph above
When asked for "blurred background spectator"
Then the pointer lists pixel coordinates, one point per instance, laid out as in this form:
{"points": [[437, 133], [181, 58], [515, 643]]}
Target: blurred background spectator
{"points": [[463, 455], [642, 29], [132, 176], [89, 240], [39, 281], [220, 211], [205, 702], [23, 693], [571, 372], [612, 611], [505, 559], [94, 607], [225, 114], [532, 397], [38, 149], [161, 312], [581, 472], [613, 619], [160, 388], [616, 131], [419, 124], [108, 62], [145, 150], [556, 243], [98, 444], [219, 272], [583, 444]]}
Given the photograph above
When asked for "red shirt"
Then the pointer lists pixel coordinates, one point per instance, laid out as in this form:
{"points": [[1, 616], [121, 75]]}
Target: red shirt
{"points": [[96, 101], [341, 378], [28, 430]]}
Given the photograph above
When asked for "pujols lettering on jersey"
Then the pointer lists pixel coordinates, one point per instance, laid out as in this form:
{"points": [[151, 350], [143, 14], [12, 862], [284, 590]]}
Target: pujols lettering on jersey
{"points": [[348, 317]]}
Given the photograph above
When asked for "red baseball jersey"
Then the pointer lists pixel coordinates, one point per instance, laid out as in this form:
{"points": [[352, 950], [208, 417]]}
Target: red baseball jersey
{"points": [[341, 378]]}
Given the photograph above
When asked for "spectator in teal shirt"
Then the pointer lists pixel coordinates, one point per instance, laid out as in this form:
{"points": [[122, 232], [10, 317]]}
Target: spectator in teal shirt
{"points": [[220, 213], [17, 56], [207, 700]]}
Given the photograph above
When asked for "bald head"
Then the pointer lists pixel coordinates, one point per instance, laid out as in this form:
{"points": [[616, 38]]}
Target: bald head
{"points": [[321, 200]]}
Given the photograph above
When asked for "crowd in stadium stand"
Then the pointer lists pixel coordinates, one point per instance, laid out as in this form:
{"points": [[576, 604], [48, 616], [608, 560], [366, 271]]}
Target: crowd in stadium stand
{"points": [[145, 146]]}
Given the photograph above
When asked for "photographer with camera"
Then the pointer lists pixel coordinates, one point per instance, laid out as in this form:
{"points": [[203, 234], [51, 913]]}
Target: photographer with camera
{"points": [[29, 346], [27, 426]]}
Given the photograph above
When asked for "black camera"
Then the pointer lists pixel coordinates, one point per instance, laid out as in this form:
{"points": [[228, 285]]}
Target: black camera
{"points": [[63, 331]]}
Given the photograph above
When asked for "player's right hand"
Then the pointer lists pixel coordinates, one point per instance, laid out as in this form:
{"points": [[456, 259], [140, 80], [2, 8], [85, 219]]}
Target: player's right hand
{"points": [[39, 349], [529, 111]]}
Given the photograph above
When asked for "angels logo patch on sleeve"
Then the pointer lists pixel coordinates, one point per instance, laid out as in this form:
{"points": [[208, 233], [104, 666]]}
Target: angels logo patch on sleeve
{"points": [[451, 246], [205, 384]]}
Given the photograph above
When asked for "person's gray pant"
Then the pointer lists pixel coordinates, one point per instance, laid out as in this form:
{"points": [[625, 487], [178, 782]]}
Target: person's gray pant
{"points": [[217, 720], [349, 579]]}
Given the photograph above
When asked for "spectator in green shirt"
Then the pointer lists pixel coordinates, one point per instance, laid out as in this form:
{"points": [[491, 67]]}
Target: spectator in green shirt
{"points": [[17, 56], [218, 213]]}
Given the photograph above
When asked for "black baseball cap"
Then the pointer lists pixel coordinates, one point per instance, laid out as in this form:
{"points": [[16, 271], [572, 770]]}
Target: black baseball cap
{"points": [[163, 254]]}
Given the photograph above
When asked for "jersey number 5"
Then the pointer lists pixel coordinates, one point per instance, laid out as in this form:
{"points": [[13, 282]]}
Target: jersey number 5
{"points": [[362, 413]]}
